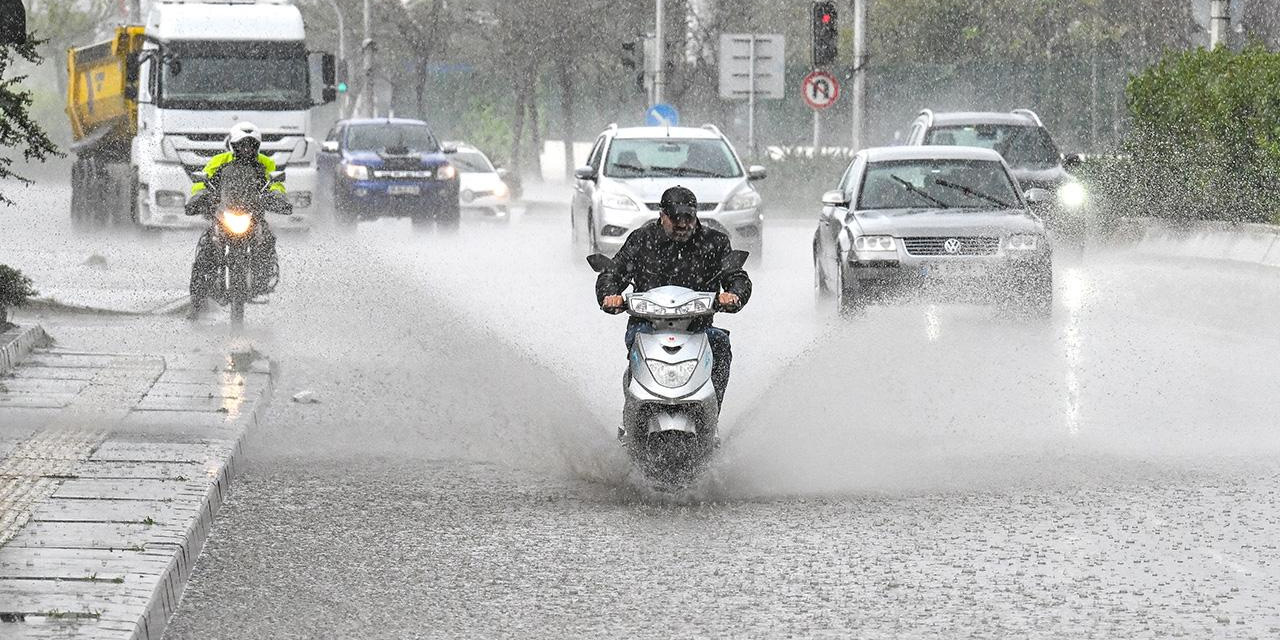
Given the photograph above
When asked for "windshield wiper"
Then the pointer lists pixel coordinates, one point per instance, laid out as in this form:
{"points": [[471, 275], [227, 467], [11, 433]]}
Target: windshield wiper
{"points": [[629, 167], [681, 171], [973, 192], [913, 189]]}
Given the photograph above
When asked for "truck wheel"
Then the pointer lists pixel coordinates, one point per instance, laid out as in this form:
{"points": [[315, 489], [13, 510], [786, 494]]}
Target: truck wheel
{"points": [[79, 212]]}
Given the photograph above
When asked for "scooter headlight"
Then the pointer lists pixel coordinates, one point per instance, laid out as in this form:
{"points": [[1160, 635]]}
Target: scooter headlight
{"points": [[672, 375], [700, 305], [236, 223]]}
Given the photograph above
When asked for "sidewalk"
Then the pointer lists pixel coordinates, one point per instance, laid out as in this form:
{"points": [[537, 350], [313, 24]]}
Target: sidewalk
{"points": [[112, 467]]}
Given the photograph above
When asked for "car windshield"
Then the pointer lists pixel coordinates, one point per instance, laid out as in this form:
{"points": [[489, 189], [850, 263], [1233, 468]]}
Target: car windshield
{"points": [[1022, 146], [937, 184], [471, 162], [398, 138], [250, 76], [666, 157]]}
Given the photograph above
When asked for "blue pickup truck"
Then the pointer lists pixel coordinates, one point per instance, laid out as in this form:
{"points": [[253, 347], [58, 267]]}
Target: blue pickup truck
{"points": [[387, 167]]}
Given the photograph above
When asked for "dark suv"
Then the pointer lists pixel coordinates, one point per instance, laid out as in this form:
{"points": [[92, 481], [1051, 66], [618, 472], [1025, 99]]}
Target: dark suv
{"points": [[1027, 148], [387, 167]]}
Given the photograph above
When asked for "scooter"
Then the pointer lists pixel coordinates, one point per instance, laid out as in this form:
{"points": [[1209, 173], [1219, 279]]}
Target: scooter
{"points": [[670, 412]]}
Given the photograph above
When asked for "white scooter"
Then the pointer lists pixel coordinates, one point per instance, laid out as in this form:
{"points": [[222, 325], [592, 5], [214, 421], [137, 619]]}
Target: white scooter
{"points": [[671, 413]]}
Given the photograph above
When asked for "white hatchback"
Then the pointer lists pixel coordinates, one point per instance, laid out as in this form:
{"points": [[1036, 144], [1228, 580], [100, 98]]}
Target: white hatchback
{"points": [[628, 169], [481, 185]]}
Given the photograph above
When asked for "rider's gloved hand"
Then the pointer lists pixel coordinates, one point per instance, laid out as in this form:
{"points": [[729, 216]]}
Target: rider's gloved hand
{"points": [[613, 304], [728, 301]]}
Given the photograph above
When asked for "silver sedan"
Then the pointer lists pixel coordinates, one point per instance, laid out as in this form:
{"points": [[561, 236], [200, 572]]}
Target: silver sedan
{"points": [[932, 218]]}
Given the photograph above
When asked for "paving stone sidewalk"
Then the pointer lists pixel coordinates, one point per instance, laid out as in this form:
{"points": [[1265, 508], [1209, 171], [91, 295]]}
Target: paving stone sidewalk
{"points": [[112, 467]]}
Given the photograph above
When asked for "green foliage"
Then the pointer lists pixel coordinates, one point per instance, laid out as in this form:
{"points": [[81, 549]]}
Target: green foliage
{"points": [[1206, 137], [797, 177], [15, 288], [17, 129], [488, 129]]}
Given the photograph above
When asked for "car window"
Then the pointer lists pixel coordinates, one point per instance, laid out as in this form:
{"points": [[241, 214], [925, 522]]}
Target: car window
{"points": [[671, 157], [333, 134], [936, 184], [846, 181], [471, 162], [1022, 146], [916, 130], [399, 138]]}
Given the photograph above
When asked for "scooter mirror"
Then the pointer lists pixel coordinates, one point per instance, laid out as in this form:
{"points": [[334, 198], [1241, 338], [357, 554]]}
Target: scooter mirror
{"points": [[197, 176], [277, 176], [735, 260], [599, 262]]}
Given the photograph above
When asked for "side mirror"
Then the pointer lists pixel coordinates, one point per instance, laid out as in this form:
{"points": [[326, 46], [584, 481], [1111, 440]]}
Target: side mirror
{"points": [[756, 172], [835, 199], [131, 70], [502, 173], [329, 146], [585, 173], [197, 176], [448, 148], [1036, 196], [735, 260], [1072, 161], [276, 176], [599, 262]]}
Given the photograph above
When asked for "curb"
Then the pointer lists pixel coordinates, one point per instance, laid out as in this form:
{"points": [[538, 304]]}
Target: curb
{"points": [[19, 345], [168, 594], [177, 306], [1240, 243]]}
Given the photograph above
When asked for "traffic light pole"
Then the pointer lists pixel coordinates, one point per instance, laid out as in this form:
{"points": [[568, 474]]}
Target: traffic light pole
{"points": [[367, 105], [342, 56]]}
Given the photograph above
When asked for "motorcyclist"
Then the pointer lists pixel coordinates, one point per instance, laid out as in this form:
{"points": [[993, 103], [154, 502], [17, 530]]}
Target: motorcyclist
{"points": [[677, 250], [243, 144]]}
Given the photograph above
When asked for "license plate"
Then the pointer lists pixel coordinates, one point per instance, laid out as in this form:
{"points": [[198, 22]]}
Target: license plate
{"points": [[945, 270], [403, 190]]}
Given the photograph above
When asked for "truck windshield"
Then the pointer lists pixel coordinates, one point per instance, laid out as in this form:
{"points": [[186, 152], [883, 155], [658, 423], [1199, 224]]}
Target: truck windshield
{"points": [[400, 138], [221, 75]]}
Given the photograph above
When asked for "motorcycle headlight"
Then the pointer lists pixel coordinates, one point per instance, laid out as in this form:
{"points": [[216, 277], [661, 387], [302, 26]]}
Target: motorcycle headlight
{"points": [[618, 201], [672, 375], [446, 172], [746, 199], [874, 243], [1023, 242], [236, 223], [1072, 195], [357, 172]]}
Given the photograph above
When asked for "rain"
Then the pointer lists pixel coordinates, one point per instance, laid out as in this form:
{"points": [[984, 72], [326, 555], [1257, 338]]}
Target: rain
{"points": [[1003, 357]]}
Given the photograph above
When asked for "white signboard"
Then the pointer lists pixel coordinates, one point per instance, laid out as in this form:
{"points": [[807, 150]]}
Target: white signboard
{"points": [[750, 62]]}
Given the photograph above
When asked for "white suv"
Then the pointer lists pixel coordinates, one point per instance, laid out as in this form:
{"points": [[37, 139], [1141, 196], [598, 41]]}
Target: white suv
{"points": [[628, 169]]}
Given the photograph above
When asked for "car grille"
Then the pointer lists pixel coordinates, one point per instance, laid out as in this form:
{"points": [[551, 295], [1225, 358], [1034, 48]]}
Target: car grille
{"points": [[402, 163], [965, 246], [702, 206]]}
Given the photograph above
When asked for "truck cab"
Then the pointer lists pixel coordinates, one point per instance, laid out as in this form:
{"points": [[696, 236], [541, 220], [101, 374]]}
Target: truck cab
{"points": [[198, 69]]}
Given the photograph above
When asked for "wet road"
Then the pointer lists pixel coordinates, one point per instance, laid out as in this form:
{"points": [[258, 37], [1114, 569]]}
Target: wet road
{"points": [[924, 471]]}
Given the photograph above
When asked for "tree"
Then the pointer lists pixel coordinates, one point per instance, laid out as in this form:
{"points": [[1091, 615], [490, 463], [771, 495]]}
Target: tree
{"points": [[18, 132]]}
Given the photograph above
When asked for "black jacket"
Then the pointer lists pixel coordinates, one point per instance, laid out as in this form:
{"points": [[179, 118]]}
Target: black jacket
{"points": [[650, 259]]}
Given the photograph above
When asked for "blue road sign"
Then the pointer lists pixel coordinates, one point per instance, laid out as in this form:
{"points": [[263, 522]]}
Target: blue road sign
{"points": [[661, 115]]}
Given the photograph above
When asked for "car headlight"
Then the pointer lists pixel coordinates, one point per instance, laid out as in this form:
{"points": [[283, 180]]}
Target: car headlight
{"points": [[501, 191], [618, 201], [672, 375], [875, 243], [446, 172], [1023, 242], [1072, 195], [746, 199], [170, 199], [357, 172]]}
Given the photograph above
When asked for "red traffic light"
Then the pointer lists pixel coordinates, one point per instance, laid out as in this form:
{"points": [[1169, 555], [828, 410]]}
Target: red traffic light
{"points": [[826, 18]]}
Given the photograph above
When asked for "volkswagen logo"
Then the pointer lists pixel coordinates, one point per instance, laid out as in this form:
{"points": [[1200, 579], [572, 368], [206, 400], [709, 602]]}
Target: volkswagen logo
{"points": [[952, 245]]}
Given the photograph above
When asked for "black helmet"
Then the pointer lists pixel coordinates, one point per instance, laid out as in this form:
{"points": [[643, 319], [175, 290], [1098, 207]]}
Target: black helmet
{"points": [[678, 201]]}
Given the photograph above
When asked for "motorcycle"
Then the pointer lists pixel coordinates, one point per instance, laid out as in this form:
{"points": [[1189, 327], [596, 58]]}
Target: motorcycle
{"points": [[671, 412], [237, 230]]}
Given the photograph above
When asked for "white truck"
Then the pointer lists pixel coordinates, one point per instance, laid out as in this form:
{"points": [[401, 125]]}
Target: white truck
{"points": [[155, 103]]}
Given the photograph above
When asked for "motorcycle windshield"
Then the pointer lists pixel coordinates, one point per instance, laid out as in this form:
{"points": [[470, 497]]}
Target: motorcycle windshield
{"points": [[240, 186]]}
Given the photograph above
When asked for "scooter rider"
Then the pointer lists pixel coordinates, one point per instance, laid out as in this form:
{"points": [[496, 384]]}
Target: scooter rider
{"points": [[677, 250], [243, 143]]}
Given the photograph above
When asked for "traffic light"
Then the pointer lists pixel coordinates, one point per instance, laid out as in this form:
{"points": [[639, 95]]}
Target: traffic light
{"points": [[342, 76], [825, 35]]}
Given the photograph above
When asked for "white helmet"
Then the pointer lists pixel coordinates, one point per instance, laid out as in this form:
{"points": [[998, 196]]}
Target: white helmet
{"points": [[242, 131]]}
